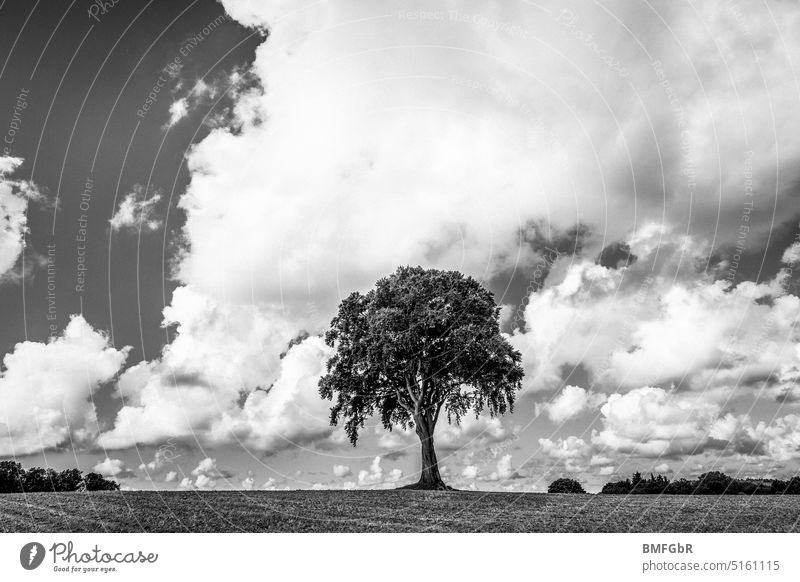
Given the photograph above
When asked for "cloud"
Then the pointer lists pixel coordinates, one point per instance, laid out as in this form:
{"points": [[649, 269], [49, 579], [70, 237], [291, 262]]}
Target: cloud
{"points": [[206, 476], [341, 470], [222, 379], [375, 476], [470, 472], [505, 470], [47, 389], [178, 110], [171, 477], [572, 401], [777, 440], [210, 91], [113, 468], [571, 452], [136, 211], [651, 422], [14, 197], [380, 119], [641, 325], [249, 482], [481, 432], [163, 458], [8, 164]]}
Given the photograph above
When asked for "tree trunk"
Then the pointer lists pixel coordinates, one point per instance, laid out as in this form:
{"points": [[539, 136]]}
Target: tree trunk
{"points": [[429, 477]]}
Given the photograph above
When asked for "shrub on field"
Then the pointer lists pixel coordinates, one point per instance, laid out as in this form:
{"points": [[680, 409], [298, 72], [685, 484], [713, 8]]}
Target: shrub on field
{"points": [[38, 480], [96, 482], [11, 474], [565, 485], [617, 487], [69, 480], [710, 483], [790, 487], [681, 487], [15, 479], [713, 483], [652, 485]]}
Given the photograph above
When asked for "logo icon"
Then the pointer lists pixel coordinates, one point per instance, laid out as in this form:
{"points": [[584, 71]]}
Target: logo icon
{"points": [[31, 555]]}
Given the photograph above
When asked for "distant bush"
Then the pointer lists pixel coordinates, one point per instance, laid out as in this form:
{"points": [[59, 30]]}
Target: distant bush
{"points": [[96, 482], [565, 486], [617, 487], [15, 479], [711, 483], [790, 487], [638, 485], [680, 487], [11, 476]]}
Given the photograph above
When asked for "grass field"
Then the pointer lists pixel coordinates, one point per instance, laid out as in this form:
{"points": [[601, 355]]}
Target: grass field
{"points": [[391, 511]]}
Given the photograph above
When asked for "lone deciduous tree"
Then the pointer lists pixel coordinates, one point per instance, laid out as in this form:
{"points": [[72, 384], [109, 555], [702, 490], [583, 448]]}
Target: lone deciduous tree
{"points": [[419, 342]]}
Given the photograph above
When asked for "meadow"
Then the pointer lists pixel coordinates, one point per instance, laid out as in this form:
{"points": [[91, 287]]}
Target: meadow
{"points": [[392, 511]]}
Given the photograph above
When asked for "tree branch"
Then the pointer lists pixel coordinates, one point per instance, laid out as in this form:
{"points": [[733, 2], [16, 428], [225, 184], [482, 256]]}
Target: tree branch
{"points": [[438, 410], [403, 404]]}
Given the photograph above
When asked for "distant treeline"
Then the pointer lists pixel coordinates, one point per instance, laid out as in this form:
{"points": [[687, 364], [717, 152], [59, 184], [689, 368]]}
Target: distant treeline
{"points": [[711, 483], [15, 479]]}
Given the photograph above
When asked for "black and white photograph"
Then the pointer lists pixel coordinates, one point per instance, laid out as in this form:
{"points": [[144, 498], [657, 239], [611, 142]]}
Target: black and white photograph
{"points": [[421, 267]]}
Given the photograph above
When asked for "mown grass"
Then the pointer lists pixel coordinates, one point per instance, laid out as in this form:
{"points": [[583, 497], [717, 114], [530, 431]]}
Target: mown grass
{"points": [[391, 511]]}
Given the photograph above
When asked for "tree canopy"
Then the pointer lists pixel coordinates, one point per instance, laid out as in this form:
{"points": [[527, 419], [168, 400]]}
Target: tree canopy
{"points": [[421, 341]]}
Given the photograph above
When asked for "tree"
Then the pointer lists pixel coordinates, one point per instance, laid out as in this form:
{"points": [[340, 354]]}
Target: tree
{"points": [[38, 480], [11, 477], [617, 487], [96, 482], [69, 480], [421, 341], [793, 486], [565, 485], [681, 487], [713, 483]]}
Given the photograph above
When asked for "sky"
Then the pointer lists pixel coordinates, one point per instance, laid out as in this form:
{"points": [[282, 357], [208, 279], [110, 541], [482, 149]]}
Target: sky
{"points": [[190, 188]]}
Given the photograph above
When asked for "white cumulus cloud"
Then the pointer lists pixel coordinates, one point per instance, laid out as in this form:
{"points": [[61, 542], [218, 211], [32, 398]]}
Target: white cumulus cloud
{"points": [[46, 389]]}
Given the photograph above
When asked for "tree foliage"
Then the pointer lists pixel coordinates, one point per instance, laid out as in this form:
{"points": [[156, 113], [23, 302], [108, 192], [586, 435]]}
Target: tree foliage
{"points": [[710, 483], [15, 479], [421, 341], [565, 485], [96, 482]]}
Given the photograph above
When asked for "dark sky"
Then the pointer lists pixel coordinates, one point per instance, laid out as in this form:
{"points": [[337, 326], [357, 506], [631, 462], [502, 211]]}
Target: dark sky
{"points": [[83, 77]]}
